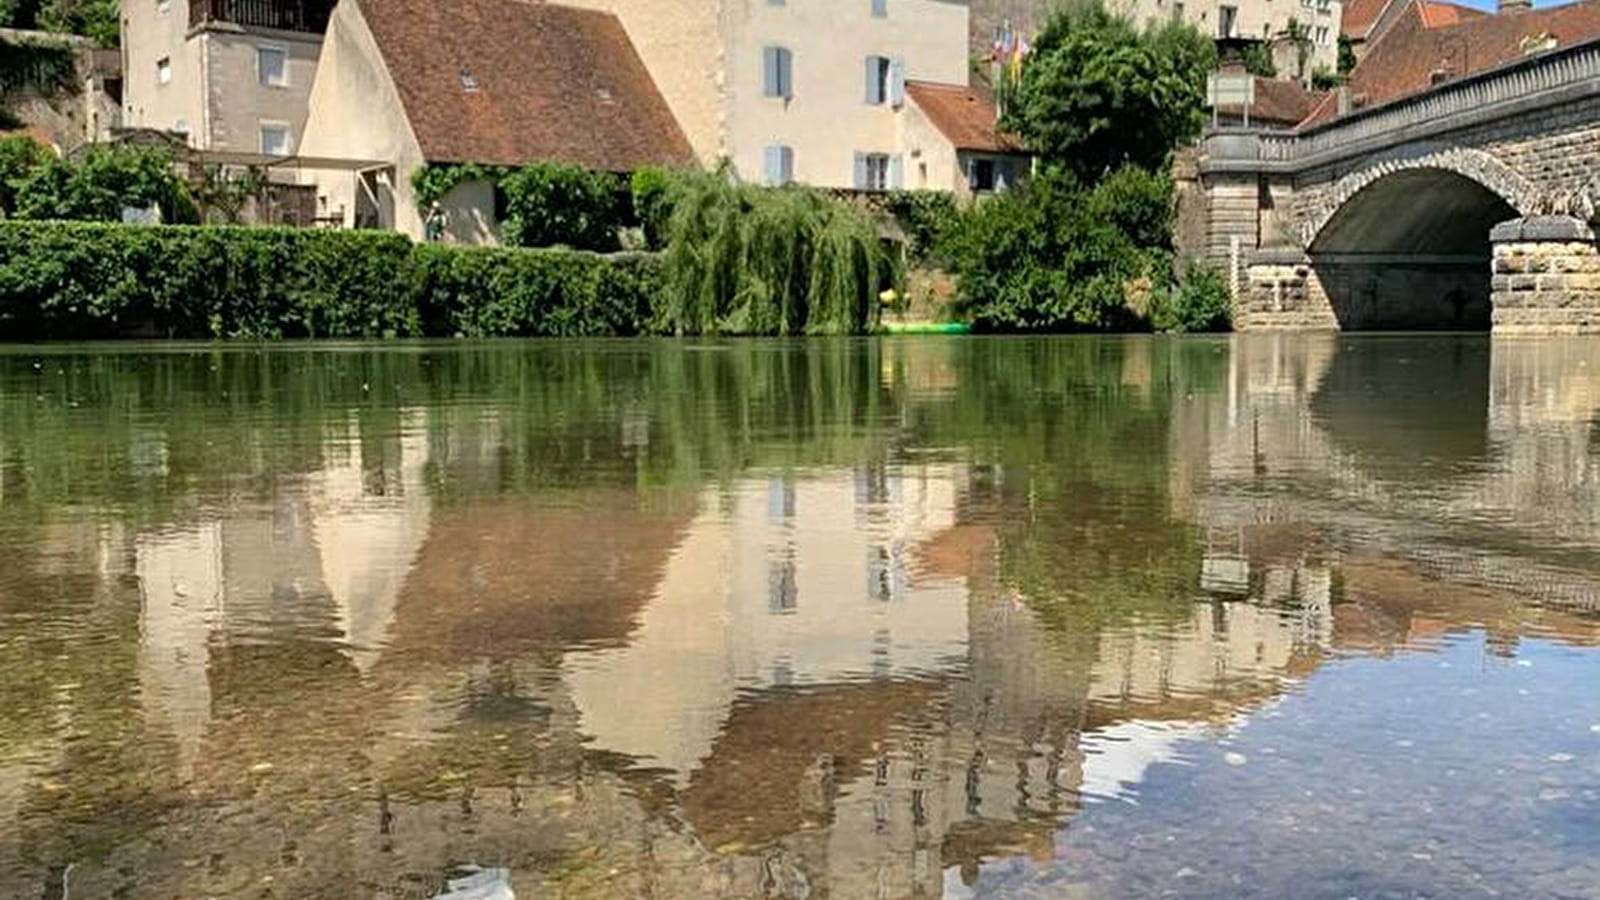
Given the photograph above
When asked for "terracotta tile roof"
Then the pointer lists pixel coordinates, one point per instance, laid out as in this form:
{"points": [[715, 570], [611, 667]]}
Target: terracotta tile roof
{"points": [[1438, 15], [502, 81], [965, 115], [1359, 16], [1403, 61], [1280, 101]]}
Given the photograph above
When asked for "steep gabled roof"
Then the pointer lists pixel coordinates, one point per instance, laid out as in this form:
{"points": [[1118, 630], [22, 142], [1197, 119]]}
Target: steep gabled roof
{"points": [[964, 115], [1406, 58], [507, 82], [1438, 15]]}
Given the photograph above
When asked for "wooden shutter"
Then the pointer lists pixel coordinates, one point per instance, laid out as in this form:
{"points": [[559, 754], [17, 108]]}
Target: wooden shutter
{"points": [[874, 85], [785, 73], [897, 175], [769, 71], [861, 172], [785, 164], [897, 83], [772, 165]]}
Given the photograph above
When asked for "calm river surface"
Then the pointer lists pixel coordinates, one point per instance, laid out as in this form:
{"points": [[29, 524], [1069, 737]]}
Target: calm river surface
{"points": [[1072, 618]]}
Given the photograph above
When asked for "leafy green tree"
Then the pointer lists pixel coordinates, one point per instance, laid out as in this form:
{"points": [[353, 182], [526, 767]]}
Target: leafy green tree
{"points": [[1056, 255], [20, 157], [548, 204], [1097, 92], [1347, 55], [103, 182], [97, 19]]}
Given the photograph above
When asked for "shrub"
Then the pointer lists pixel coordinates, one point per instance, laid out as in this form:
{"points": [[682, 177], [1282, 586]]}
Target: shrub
{"points": [[90, 280], [749, 260], [1054, 255], [484, 292], [549, 205], [925, 216], [652, 204], [79, 280], [20, 157], [100, 184], [1197, 302]]}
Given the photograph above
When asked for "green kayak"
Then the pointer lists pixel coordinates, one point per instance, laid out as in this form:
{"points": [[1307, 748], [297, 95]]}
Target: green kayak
{"points": [[926, 328]]}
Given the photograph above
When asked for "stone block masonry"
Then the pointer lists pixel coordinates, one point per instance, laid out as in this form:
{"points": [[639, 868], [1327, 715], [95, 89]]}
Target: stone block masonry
{"points": [[1545, 277]]}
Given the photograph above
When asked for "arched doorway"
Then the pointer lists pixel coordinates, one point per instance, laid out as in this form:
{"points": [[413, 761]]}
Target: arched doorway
{"points": [[1411, 250]]}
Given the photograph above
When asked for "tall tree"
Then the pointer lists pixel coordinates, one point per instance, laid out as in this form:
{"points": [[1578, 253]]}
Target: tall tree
{"points": [[1097, 92]]}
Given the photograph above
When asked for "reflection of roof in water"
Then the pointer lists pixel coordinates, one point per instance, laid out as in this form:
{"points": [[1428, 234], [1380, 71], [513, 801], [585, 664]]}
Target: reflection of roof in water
{"points": [[499, 579], [782, 754]]}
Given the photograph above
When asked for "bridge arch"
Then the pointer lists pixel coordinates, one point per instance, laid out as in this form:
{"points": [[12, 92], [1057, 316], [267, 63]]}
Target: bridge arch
{"points": [[1405, 242], [1472, 165]]}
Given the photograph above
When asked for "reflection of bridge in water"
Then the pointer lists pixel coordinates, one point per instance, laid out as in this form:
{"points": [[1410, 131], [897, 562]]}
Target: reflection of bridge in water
{"points": [[1481, 470]]}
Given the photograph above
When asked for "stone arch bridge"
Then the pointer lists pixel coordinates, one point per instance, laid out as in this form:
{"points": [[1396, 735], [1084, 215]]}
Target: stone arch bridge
{"points": [[1468, 205]]}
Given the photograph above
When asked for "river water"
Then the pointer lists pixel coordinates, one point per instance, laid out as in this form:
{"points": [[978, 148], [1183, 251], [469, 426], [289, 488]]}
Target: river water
{"points": [[1270, 617]]}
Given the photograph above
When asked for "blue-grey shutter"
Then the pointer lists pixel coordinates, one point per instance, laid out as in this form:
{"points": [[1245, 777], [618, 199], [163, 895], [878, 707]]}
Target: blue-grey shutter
{"points": [[785, 72], [872, 81], [786, 164], [769, 71], [896, 173], [772, 165], [880, 8], [861, 172], [897, 83]]}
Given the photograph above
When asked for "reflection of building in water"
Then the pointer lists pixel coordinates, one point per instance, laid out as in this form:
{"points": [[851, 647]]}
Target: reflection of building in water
{"points": [[322, 557], [780, 581]]}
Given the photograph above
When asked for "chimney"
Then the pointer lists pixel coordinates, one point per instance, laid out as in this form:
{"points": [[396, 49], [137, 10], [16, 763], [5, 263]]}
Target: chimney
{"points": [[1344, 101], [1508, 7]]}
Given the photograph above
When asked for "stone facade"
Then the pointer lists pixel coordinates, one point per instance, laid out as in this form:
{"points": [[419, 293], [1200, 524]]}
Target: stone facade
{"points": [[1394, 204], [1546, 277]]}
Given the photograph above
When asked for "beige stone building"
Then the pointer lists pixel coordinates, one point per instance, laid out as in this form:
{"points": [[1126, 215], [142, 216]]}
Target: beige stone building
{"points": [[996, 21], [230, 75], [813, 92]]}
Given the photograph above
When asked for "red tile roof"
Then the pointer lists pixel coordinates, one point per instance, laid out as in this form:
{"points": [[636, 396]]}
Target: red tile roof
{"points": [[1404, 59], [965, 115], [1359, 15], [1279, 101], [507, 82], [1438, 15]]}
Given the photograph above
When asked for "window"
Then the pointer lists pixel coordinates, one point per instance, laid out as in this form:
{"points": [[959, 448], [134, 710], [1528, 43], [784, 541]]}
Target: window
{"points": [[272, 66], [877, 172], [981, 175], [777, 166], [275, 138], [776, 3], [777, 72], [783, 593], [880, 9], [1322, 35], [886, 81], [163, 7], [164, 70], [877, 80], [1225, 19]]}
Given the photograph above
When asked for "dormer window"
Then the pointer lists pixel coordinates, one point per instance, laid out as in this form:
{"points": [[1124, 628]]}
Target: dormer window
{"points": [[469, 82]]}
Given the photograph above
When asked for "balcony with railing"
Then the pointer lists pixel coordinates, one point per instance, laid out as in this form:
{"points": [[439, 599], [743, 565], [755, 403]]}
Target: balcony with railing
{"points": [[308, 16]]}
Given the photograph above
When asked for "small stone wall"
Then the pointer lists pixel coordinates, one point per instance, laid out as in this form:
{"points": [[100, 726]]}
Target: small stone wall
{"points": [[1546, 277]]}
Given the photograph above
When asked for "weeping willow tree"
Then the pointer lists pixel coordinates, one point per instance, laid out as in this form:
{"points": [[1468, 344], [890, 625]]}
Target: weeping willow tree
{"points": [[750, 260]]}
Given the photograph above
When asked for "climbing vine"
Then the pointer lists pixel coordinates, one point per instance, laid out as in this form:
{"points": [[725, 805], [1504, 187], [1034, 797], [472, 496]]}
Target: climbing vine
{"points": [[434, 180]]}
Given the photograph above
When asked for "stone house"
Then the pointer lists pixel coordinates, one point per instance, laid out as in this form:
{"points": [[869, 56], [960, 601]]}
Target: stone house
{"points": [[995, 22], [405, 83], [813, 92], [229, 75], [951, 129]]}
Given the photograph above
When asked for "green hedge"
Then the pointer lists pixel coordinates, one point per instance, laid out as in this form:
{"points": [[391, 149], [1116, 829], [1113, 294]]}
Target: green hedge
{"points": [[66, 280], [493, 292]]}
